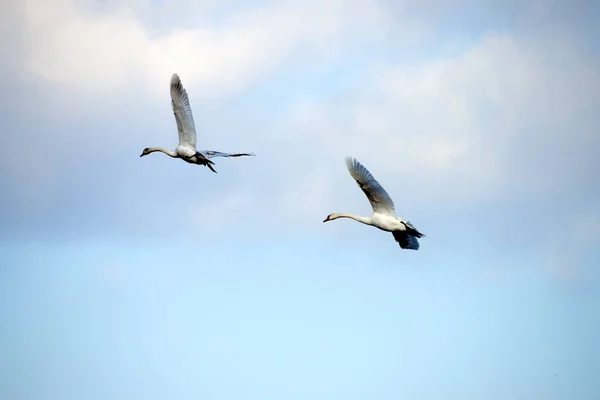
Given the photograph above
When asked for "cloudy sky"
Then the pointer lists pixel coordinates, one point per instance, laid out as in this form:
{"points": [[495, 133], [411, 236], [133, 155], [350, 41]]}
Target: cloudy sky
{"points": [[150, 278]]}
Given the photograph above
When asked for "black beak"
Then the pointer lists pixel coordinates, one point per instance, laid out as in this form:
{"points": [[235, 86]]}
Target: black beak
{"points": [[326, 219]]}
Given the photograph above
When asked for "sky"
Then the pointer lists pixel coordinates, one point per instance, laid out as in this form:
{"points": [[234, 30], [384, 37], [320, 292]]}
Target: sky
{"points": [[150, 278]]}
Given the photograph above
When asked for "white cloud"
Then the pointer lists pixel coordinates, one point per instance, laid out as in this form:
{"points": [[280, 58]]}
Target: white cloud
{"points": [[100, 53], [503, 115], [506, 114]]}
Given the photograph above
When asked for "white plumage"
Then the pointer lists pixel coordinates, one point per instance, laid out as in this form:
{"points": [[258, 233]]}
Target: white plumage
{"points": [[186, 129], [384, 214]]}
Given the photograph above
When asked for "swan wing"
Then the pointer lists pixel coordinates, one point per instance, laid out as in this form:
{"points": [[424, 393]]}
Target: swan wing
{"points": [[406, 240], [378, 197], [183, 114], [212, 154]]}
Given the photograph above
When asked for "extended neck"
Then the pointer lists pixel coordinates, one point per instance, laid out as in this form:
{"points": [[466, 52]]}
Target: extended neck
{"points": [[163, 150], [363, 220]]}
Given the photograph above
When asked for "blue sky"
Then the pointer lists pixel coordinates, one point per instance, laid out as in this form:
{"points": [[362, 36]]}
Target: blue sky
{"points": [[129, 278]]}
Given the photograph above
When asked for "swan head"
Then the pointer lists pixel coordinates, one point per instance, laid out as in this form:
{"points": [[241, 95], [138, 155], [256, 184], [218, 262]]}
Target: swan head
{"points": [[145, 152], [330, 217]]}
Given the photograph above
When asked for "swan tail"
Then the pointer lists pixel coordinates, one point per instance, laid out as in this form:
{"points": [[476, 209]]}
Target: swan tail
{"points": [[406, 240], [201, 159], [411, 230], [208, 164]]}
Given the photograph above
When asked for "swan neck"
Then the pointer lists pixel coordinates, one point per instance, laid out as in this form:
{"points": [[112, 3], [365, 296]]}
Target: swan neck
{"points": [[163, 150], [364, 220]]}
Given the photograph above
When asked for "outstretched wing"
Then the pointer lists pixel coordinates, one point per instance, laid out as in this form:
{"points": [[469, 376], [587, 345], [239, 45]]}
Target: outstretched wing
{"points": [[212, 154], [183, 114], [378, 197], [406, 240]]}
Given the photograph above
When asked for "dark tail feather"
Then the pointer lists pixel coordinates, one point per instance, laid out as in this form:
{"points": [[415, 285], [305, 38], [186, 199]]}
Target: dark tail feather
{"points": [[411, 230], [202, 160], [406, 241]]}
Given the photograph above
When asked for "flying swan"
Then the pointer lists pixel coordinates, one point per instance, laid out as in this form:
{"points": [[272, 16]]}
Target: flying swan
{"points": [[186, 150], [384, 215]]}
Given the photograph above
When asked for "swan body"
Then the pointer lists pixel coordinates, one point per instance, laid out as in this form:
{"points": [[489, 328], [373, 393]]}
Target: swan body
{"points": [[384, 214], [186, 129]]}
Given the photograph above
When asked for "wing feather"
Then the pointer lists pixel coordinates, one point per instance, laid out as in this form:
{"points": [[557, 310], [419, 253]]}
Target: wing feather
{"points": [[212, 154], [378, 197], [183, 113]]}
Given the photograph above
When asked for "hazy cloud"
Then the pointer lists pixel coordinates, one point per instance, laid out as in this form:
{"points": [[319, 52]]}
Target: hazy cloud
{"points": [[99, 53], [501, 115]]}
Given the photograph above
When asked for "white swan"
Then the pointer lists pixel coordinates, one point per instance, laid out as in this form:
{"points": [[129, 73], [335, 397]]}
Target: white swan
{"points": [[186, 150], [384, 216]]}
